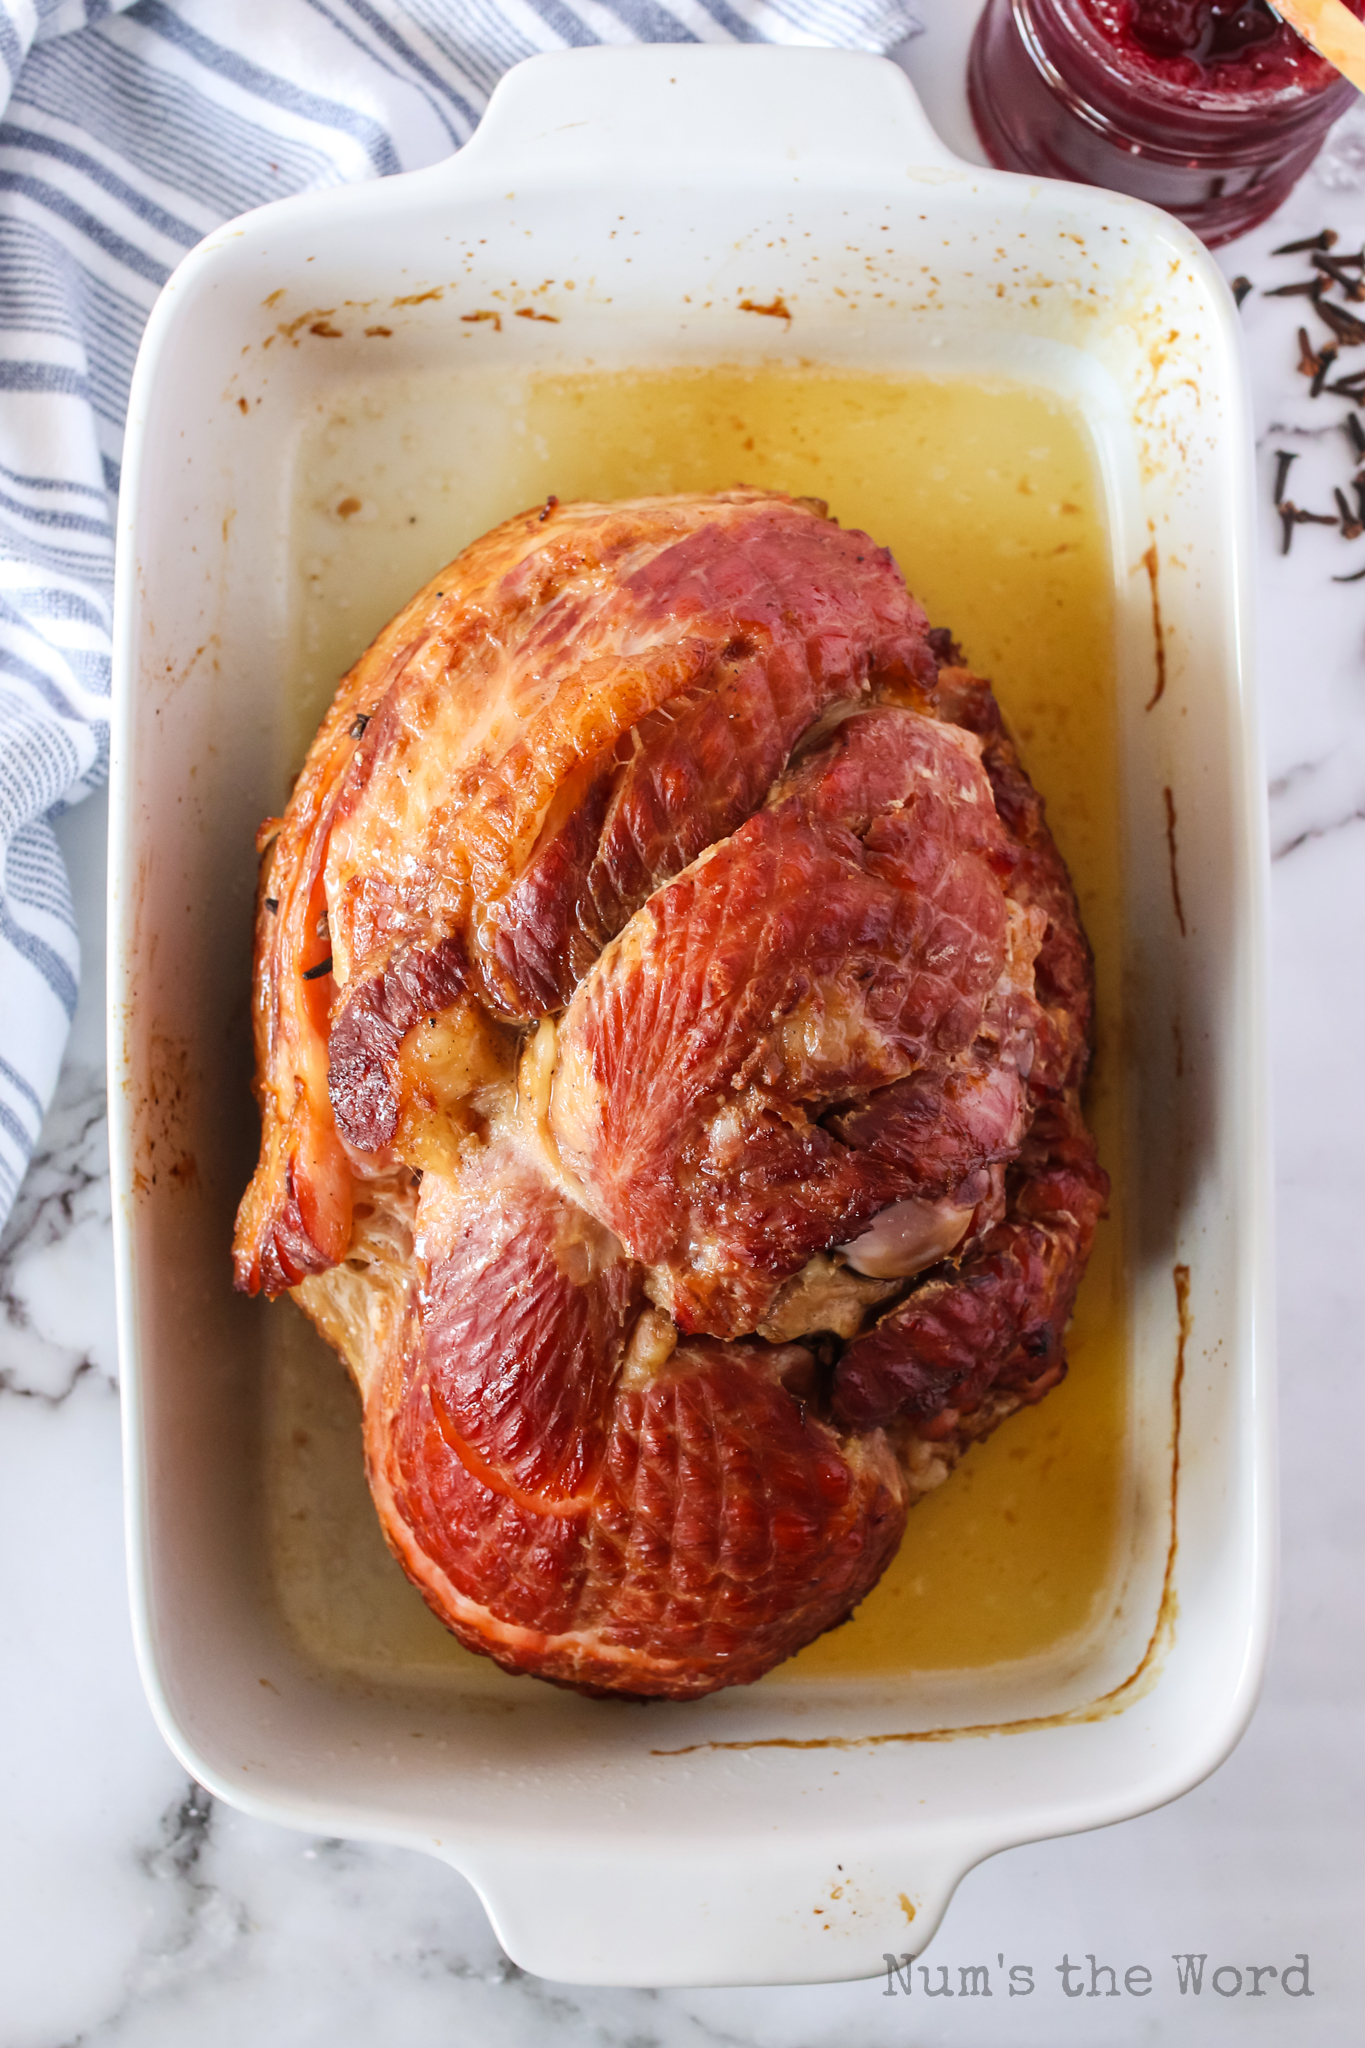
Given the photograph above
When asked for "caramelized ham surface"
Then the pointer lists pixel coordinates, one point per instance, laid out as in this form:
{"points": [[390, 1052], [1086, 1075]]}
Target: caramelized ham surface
{"points": [[671, 1013]]}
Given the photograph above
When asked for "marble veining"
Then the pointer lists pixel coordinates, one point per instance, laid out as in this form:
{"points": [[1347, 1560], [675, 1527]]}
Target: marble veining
{"points": [[56, 1263], [135, 1911]]}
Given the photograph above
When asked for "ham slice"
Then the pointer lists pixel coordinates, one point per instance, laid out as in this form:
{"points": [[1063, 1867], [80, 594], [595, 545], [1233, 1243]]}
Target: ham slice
{"points": [[852, 934], [671, 1013]]}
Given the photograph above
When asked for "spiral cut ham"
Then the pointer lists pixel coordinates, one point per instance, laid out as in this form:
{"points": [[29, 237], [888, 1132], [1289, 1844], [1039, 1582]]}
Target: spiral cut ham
{"points": [[671, 1014]]}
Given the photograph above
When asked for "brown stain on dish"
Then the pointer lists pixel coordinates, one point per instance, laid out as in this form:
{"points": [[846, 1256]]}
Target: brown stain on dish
{"points": [[485, 313], [315, 317], [419, 298], [161, 1154], [1150, 564], [317, 320], [776, 309], [1122, 1696], [530, 313], [1169, 801], [172, 677], [1181, 1277]]}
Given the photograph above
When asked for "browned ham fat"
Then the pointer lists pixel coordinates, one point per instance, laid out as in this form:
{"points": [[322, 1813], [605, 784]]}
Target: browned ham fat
{"points": [[671, 1014]]}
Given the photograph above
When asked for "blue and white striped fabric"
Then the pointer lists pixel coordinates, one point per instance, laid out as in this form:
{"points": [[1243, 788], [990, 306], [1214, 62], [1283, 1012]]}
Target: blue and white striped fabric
{"points": [[129, 131]]}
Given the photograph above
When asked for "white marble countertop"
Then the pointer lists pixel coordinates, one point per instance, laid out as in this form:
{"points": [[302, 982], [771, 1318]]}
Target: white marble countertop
{"points": [[133, 1909]]}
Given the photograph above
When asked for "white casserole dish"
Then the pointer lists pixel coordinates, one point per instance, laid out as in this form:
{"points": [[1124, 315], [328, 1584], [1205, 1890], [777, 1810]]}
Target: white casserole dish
{"points": [[792, 1832]]}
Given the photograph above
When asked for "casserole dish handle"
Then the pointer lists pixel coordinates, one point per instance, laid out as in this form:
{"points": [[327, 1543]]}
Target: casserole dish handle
{"points": [[574, 115], [655, 1912]]}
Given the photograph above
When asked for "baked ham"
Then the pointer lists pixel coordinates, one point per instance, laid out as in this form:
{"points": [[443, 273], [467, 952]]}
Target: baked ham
{"points": [[671, 1014]]}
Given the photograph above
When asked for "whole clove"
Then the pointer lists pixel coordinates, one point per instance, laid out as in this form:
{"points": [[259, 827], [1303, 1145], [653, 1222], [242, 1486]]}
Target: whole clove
{"points": [[1328, 239], [1326, 358], [1285, 458], [1351, 527], [1241, 286], [1306, 288], [1344, 325], [1292, 515], [1355, 434], [1339, 271], [316, 973], [1354, 578], [358, 725]]}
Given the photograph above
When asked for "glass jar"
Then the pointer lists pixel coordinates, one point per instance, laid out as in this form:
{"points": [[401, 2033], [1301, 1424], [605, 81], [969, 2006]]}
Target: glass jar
{"points": [[1212, 109]]}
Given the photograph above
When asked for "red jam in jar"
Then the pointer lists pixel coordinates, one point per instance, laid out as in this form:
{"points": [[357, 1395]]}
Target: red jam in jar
{"points": [[1211, 108]]}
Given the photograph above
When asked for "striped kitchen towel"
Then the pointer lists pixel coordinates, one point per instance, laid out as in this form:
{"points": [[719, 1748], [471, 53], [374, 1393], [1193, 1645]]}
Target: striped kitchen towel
{"points": [[130, 131]]}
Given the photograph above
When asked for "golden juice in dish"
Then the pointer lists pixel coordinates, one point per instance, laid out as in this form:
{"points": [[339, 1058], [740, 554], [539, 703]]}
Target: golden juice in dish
{"points": [[990, 498]]}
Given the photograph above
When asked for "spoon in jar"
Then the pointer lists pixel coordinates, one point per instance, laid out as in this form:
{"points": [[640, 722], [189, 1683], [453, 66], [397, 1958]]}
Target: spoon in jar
{"points": [[1333, 31]]}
